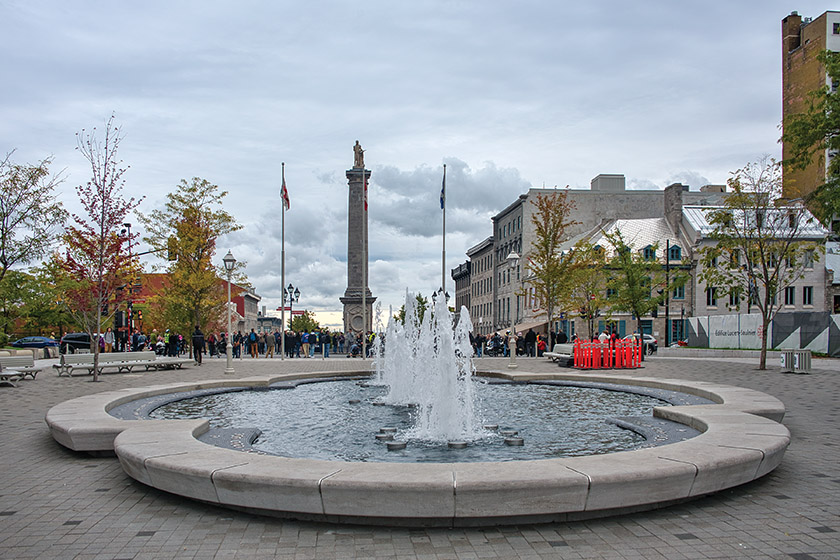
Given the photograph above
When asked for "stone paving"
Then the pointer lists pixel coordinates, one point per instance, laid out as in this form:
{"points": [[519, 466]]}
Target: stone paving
{"points": [[55, 503]]}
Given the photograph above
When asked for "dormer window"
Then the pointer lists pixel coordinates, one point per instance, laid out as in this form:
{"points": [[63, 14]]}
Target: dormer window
{"points": [[674, 253], [648, 253]]}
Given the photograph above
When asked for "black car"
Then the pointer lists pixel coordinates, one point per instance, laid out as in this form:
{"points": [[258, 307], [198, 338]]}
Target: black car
{"points": [[71, 342]]}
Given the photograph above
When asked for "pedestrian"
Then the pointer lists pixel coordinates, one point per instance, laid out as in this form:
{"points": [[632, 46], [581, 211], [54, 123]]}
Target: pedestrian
{"points": [[197, 345], [252, 344], [269, 344], [109, 340], [530, 342], [325, 343], [304, 343]]}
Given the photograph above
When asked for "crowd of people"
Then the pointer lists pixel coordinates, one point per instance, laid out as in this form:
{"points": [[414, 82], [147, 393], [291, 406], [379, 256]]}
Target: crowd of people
{"points": [[305, 344], [528, 344]]}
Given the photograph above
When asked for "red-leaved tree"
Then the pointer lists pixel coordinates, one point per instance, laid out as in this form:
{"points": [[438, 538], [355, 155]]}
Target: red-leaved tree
{"points": [[95, 267]]}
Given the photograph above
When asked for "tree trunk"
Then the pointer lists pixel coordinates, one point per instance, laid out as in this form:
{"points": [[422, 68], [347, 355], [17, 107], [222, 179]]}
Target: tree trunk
{"points": [[762, 361]]}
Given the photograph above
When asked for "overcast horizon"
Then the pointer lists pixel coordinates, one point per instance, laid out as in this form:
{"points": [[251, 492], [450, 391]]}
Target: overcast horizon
{"points": [[508, 96]]}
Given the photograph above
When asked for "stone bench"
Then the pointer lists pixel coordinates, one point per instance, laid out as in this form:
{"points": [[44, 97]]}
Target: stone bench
{"points": [[121, 361], [25, 364], [563, 354]]}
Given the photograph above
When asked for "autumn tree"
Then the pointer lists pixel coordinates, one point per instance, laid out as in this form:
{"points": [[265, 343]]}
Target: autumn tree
{"points": [[762, 245], [810, 135], [94, 265], [31, 217], [187, 230], [548, 267]]}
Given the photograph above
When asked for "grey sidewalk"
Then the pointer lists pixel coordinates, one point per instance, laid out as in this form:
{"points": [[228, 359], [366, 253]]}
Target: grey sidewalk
{"points": [[55, 503]]}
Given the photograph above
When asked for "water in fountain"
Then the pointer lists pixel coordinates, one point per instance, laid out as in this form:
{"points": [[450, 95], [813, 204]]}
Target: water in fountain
{"points": [[428, 364]]}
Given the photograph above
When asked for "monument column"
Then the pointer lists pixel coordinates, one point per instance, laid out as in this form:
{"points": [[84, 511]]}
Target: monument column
{"points": [[357, 250]]}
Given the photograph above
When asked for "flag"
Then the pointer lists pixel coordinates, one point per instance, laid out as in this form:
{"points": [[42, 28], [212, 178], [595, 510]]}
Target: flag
{"points": [[443, 190], [284, 194]]}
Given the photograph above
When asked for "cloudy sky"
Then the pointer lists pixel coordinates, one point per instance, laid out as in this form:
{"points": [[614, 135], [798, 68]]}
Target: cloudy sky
{"points": [[507, 94]]}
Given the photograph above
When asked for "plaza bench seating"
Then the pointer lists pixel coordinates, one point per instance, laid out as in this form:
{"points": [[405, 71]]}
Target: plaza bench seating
{"points": [[24, 364], [563, 354], [120, 361]]}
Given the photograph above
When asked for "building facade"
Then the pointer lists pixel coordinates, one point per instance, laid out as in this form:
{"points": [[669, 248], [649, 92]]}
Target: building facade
{"points": [[482, 269], [461, 276], [802, 73]]}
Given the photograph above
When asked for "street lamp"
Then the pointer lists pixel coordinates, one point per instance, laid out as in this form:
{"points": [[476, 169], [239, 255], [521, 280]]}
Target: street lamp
{"points": [[230, 261], [513, 261], [294, 296]]}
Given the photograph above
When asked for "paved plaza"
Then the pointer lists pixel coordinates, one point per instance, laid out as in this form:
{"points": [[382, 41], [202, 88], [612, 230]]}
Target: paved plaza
{"points": [[55, 503]]}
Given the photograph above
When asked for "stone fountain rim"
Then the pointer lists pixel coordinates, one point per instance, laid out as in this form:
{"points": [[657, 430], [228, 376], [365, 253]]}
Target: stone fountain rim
{"points": [[741, 440]]}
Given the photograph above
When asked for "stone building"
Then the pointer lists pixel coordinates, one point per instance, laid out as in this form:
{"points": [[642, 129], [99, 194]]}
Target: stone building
{"points": [[481, 285], [500, 295]]}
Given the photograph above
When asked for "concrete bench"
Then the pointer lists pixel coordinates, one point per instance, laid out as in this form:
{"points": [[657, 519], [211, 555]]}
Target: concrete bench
{"points": [[121, 361], [169, 362], [563, 354], [25, 364]]}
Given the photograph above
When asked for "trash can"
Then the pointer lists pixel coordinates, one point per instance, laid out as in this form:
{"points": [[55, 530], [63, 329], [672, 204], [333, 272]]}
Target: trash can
{"points": [[797, 361]]}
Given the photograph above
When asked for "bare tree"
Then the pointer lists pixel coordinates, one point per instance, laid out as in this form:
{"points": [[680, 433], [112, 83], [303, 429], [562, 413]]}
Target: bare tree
{"points": [[762, 243]]}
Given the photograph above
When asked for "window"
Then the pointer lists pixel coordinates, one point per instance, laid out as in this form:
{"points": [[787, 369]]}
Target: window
{"points": [[674, 253], [649, 253], [679, 292], [711, 297], [809, 258], [807, 295], [790, 295], [734, 259], [791, 220], [835, 28], [734, 297]]}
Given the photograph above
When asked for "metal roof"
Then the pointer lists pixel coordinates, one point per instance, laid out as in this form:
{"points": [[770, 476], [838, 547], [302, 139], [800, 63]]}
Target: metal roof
{"points": [[809, 227]]}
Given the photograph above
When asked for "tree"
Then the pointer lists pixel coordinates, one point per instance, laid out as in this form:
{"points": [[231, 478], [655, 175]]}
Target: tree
{"points": [[30, 215], [421, 306], [95, 266], [304, 322], [634, 281], [759, 244], [187, 230], [588, 294], [808, 136], [548, 267], [30, 300]]}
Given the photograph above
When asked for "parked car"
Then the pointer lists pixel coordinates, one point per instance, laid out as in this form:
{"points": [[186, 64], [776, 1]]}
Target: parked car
{"points": [[71, 342], [41, 342], [34, 342], [649, 342]]}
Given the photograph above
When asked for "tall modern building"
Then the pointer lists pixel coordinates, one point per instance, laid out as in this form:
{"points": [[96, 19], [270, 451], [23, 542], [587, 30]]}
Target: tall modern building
{"points": [[802, 40]]}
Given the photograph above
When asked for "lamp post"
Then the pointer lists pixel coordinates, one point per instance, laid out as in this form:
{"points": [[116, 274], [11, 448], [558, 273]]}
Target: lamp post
{"points": [[229, 261], [513, 262], [294, 296]]}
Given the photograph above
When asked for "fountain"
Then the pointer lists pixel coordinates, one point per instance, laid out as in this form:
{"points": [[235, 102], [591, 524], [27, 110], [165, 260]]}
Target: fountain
{"points": [[426, 365]]}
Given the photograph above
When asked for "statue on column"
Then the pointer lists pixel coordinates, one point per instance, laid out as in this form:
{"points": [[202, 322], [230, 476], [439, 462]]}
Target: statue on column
{"points": [[358, 156]]}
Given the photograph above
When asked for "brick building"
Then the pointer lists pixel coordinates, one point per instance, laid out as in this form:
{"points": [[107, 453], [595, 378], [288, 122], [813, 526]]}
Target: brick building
{"points": [[802, 41]]}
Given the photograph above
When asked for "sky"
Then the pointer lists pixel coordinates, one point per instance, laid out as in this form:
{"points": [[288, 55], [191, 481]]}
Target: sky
{"points": [[509, 95]]}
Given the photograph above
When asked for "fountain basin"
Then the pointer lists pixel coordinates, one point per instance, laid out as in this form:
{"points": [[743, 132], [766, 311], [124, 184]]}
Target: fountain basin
{"points": [[741, 440]]}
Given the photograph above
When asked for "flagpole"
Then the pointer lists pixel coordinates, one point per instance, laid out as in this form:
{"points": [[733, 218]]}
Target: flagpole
{"points": [[443, 254], [283, 262]]}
